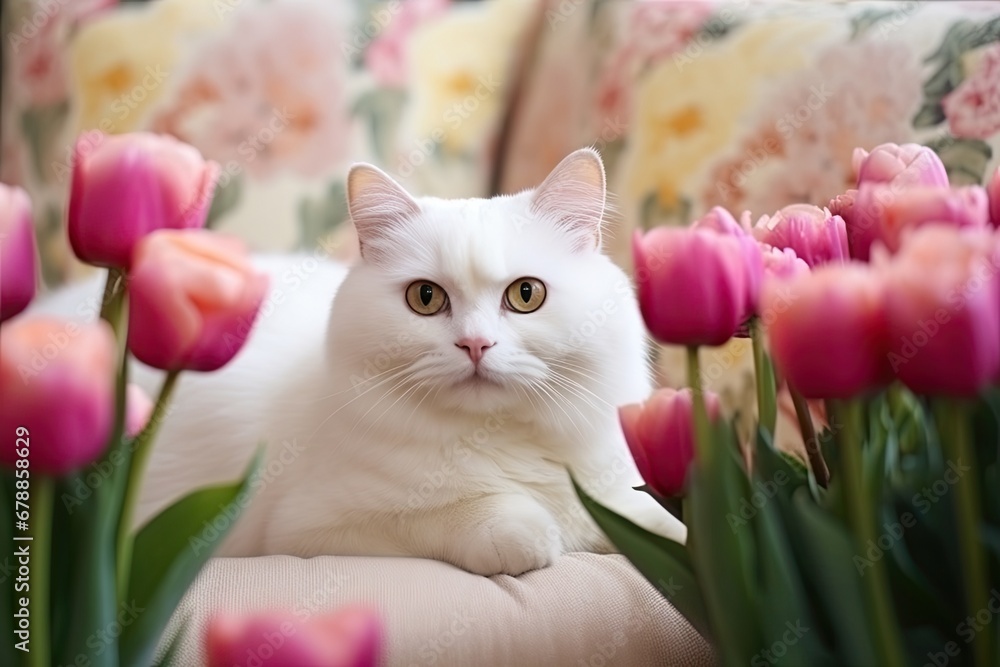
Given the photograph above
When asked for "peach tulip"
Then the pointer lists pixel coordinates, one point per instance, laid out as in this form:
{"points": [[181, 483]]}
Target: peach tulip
{"points": [[193, 297], [943, 311], [885, 213], [993, 192], [827, 331], [816, 235], [904, 165], [349, 637], [57, 381], [18, 257], [696, 287], [660, 435], [128, 185]]}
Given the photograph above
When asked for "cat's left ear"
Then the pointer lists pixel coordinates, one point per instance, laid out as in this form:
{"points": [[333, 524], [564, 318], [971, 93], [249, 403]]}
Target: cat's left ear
{"points": [[574, 196]]}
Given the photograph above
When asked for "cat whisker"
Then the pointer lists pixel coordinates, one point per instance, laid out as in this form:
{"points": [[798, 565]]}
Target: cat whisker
{"points": [[376, 386]]}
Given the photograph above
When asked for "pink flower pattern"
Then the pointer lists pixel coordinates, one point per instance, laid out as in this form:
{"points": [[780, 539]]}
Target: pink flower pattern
{"points": [[973, 108], [267, 95]]}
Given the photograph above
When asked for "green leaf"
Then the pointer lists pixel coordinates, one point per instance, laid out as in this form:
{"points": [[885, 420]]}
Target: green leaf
{"points": [[964, 159], [228, 191], [825, 552], [383, 107], [87, 564], [8, 569], [724, 548], [169, 552], [319, 217], [663, 562]]}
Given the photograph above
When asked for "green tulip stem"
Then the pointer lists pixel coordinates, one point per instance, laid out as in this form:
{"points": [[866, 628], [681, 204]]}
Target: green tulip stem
{"points": [[861, 515], [702, 438], [42, 491], [141, 448], [113, 301], [953, 425], [767, 409], [816, 461]]}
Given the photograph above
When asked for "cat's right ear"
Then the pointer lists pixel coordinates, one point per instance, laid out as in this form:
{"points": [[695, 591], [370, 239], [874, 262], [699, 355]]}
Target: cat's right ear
{"points": [[378, 205]]}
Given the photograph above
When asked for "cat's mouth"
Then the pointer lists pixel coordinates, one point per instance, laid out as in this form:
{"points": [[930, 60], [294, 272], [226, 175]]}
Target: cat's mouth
{"points": [[478, 379]]}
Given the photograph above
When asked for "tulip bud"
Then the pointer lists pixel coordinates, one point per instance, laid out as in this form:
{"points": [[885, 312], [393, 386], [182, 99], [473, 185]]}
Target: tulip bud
{"points": [[827, 332], [128, 185], [886, 213], [902, 165], [816, 236], [782, 263], [347, 638], [193, 298], [660, 435], [18, 268], [993, 192], [943, 311], [57, 381], [138, 408], [696, 287]]}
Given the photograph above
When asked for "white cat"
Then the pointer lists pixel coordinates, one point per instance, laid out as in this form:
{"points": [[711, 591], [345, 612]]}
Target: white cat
{"points": [[477, 351]]}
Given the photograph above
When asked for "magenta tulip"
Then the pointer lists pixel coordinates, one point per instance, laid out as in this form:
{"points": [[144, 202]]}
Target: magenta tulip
{"points": [[903, 165], [126, 186], [816, 235], [827, 331], [660, 435], [886, 214], [943, 311], [193, 298], [57, 381], [696, 287], [18, 257], [349, 637], [993, 192]]}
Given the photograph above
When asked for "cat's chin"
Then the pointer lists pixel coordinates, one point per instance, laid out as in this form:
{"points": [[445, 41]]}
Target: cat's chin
{"points": [[479, 393]]}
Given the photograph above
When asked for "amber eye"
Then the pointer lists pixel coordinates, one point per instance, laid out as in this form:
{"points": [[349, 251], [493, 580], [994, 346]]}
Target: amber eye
{"points": [[425, 298], [526, 295]]}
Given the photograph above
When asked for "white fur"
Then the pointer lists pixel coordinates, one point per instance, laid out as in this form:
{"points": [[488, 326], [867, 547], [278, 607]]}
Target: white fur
{"points": [[379, 439]]}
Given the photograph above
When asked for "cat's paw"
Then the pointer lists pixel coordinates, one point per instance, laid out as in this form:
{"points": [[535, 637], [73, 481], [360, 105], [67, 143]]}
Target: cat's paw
{"points": [[518, 536]]}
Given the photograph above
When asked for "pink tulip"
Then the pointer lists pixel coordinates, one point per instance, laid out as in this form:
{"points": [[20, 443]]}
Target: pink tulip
{"points": [[128, 185], [138, 408], [721, 221], [827, 331], [902, 165], [349, 637], [943, 311], [782, 263], [660, 435], [816, 236], [993, 192], [18, 270], [696, 287], [884, 213], [57, 381], [193, 297]]}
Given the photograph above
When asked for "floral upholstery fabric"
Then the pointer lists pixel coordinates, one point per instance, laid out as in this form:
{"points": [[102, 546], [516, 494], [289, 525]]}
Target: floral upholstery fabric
{"points": [[748, 105]]}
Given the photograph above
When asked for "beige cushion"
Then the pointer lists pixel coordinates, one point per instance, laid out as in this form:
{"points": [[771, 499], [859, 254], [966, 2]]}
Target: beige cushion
{"points": [[586, 610]]}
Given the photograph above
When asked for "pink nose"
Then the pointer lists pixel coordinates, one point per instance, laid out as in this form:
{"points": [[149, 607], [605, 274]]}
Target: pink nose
{"points": [[476, 347]]}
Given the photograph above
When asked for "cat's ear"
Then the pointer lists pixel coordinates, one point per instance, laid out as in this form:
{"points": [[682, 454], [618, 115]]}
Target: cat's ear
{"points": [[574, 195], [378, 204]]}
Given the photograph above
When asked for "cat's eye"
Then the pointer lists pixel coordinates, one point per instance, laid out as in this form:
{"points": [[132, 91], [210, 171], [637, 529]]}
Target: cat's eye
{"points": [[525, 295], [425, 298]]}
